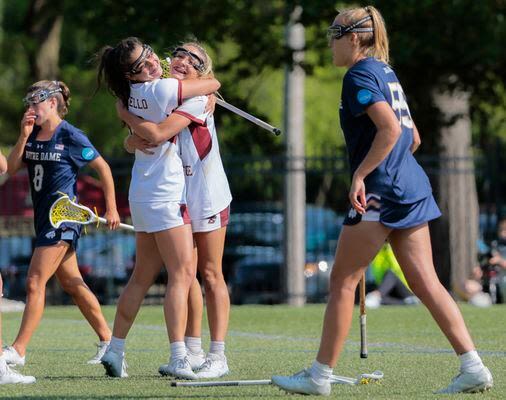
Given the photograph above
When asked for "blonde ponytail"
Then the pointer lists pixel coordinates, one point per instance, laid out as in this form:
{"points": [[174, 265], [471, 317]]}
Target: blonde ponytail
{"points": [[373, 44]]}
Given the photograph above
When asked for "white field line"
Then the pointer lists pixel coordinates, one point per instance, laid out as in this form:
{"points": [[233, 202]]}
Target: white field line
{"points": [[406, 348]]}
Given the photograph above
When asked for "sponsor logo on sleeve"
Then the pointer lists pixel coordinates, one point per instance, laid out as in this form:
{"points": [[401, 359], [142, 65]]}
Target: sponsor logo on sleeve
{"points": [[59, 146], [88, 153], [364, 96]]}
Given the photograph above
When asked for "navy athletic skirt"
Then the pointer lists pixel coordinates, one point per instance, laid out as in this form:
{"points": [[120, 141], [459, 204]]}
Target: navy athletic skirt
{"points": [[395, 215]]}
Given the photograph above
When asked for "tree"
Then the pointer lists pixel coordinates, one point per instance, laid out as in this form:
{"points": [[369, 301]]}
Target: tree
{"points": [[449, 55]]}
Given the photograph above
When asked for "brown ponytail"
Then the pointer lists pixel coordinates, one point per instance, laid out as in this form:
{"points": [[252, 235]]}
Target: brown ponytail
{"points": [[62, 95], [114, 64]]}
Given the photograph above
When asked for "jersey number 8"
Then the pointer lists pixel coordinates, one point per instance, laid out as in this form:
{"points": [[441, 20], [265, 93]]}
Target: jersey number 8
{"points": [[37, 177]]}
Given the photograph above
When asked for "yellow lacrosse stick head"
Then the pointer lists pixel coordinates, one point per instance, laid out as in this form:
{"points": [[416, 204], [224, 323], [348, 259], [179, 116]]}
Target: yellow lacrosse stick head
{"points": [[65, 210]]}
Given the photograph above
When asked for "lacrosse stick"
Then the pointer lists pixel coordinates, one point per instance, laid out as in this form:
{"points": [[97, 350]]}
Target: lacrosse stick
{"points": [[165, 64], [249, 117], [362, 379], [65, 210], [363, 319]]}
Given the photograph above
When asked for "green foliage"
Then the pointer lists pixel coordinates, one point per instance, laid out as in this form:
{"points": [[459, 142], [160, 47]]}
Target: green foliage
{"points": [[446, 45], [434, 44]]}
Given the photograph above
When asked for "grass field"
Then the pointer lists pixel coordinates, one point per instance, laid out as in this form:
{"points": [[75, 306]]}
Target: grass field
{"points": [[404, 343]]}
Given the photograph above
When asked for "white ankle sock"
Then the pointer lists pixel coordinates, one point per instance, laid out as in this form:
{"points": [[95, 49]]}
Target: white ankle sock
{"points": [[217, 348], [117, 345], [3, 365], [194, 344], [320, 373], [177, 350], [471, 362]]}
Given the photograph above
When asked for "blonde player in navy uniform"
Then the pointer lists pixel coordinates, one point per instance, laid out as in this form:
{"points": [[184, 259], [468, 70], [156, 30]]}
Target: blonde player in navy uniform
{"points": [[8, 374], [54, 151], [131, 71], [208, 199], [391, 199]]}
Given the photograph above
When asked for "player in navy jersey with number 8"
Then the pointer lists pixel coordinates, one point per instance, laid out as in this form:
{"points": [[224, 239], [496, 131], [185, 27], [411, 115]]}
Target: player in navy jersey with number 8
{"points": [[54, 151], [391, 199]]}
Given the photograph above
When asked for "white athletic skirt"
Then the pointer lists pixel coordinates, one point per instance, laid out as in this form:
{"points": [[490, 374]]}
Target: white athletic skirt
{"points": [[211, 223], [158, 216]]}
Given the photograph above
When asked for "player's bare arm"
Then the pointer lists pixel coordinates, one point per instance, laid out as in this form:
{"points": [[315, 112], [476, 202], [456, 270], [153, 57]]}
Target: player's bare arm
{"points": [[104, 172]]}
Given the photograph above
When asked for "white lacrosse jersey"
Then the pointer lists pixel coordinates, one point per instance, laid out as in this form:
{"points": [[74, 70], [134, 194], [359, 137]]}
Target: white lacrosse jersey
{"points": [[158, 176], [207, 190]]}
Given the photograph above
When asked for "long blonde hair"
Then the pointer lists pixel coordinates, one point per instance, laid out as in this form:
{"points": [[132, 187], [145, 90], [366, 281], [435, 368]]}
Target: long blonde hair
{"points": [[373, 44]]}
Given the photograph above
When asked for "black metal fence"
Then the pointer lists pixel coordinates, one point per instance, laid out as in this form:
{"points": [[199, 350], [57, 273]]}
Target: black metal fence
{"points": [[253, 258]]}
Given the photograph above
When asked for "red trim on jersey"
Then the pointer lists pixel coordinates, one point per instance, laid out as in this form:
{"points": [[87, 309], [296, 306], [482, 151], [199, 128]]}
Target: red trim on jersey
{"points": [[225, 216], [185, 214], [201, 139], [189, 116], [179, 92]]}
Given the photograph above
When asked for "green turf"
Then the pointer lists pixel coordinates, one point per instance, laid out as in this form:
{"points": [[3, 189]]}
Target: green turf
{"points": [[404, 343]]}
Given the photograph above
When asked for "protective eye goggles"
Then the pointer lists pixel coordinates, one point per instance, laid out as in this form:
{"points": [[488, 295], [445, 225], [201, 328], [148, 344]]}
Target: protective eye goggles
{"points": [[39, 96], [196, 61], [138, 64], [338, 31]]}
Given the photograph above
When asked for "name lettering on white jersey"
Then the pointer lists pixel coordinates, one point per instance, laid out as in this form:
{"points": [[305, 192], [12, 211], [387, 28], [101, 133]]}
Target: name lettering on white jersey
{"points": [[139, 104], [188, 170]]}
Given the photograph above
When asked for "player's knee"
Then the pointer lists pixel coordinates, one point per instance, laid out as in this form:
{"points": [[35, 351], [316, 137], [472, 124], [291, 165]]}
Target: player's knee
{"points": [[211, 278], [423, 289], [34, 285], [73, 285]]}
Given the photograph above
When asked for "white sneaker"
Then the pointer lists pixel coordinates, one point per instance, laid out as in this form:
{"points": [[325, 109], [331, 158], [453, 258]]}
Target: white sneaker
{"points": [[12, 357], [373, 300], [215, 366], [101, 349], [10, 375], [301, 382], [467, 382], [114, 364], [178, 368], [196, 360]]}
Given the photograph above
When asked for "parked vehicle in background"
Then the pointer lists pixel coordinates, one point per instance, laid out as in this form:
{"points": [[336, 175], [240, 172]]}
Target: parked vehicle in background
{"points": [[254, 258]]}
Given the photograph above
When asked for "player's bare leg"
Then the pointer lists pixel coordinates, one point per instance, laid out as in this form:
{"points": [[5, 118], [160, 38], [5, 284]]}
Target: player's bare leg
{"points": [[357, 246], [148, 264], [210, 249], [176, 248], [72, 282], [44, 263]]}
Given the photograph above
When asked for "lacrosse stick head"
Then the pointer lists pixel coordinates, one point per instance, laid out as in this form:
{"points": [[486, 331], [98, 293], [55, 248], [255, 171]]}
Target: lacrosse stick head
{"points": [[165, 64], [65, 210]]}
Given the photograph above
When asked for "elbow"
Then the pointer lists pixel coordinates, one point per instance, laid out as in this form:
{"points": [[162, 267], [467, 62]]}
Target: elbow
{"points": [[394, 133]]}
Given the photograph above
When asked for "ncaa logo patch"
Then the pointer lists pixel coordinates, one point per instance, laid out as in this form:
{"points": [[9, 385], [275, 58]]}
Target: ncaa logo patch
{"points": [[51, 234], [364, 96], [88, 153]]}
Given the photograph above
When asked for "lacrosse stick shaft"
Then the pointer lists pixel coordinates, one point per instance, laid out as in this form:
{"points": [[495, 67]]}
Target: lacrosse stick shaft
{"points": [[334, 379], [222, 383], [363, 319], [121, 225], [249, 117]]}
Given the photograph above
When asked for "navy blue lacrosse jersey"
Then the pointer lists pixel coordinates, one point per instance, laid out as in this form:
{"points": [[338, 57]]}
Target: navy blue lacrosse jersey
{"points": [[399, 178], [53, 166]]}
